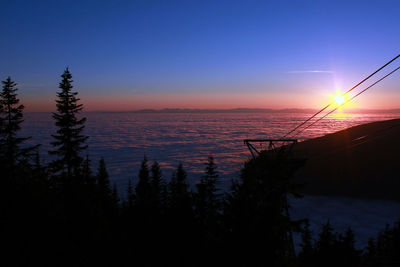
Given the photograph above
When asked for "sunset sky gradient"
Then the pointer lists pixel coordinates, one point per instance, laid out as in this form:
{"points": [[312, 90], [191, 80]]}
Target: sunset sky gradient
{"points": [[129, 55]]}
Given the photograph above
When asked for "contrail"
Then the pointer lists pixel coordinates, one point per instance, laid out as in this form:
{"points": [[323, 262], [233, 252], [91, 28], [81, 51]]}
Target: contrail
{"points": [[310, 71]]}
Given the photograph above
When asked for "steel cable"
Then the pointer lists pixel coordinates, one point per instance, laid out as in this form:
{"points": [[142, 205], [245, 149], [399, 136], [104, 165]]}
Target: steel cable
{"points": [[302, 130], [348, 91]]}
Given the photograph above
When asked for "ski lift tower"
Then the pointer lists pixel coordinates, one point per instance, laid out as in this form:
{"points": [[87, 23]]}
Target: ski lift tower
{"points": [[268, 145]]}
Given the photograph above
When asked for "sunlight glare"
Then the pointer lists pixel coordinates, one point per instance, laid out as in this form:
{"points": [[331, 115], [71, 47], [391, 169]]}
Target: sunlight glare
{"points": [[339, 99]]}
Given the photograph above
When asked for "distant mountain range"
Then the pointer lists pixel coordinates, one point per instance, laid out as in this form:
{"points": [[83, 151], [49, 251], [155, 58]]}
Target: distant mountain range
{"points": [[252, 110], [235, 110]]}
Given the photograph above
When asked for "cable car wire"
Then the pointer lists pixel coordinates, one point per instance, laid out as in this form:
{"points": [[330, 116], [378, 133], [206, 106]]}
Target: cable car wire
{"points": [[384, 77], [351, 89]]}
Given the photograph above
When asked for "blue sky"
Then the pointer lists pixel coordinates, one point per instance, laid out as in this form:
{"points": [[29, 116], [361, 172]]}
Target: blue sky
{"points": [[138, 54]]}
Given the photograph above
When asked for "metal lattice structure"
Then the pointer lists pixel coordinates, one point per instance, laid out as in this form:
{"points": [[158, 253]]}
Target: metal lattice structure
{"points": [[268, 144]]}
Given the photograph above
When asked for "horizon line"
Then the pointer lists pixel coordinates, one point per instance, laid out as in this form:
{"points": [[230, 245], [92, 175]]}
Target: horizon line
{"points": [[199, 110]]}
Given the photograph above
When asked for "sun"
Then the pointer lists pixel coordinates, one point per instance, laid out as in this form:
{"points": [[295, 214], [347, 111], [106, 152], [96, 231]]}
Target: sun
{"points": [[339, 99]]}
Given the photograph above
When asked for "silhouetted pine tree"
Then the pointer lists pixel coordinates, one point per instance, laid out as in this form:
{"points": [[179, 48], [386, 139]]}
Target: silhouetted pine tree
{"points": [[39, 178], [143, 187], [105, 200], [18, 185], [180, 216], [103, 181], [178, 188], [387, 246], [158, 226], [127, 218], [69, 141], [158, 187], [71, 177], [206, 189], [326, 238], [130, 195], [370, 254], [207, 202], [11, 117], [349, 256], [87, 174], [307, 250], [333, 249], [326, 252], [114, 196], [23, 188]]}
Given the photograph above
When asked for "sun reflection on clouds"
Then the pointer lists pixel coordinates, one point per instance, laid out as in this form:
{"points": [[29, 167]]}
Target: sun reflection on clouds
{"points": [[342, 115]]}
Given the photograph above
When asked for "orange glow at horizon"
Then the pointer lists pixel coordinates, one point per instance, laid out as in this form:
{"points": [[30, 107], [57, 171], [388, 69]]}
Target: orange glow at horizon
{"points": [[180, 100], [226, 100]]}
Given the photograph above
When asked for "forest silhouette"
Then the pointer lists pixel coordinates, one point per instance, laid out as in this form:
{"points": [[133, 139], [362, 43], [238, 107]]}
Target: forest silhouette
{"points": [[65, 214]]}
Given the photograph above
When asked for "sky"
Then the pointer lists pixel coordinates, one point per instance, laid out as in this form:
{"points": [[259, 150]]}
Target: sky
{"points": [[129, 55]]}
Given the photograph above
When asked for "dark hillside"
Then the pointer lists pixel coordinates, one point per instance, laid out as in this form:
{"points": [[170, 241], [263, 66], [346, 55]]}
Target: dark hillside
{"points": [[361, 161]]}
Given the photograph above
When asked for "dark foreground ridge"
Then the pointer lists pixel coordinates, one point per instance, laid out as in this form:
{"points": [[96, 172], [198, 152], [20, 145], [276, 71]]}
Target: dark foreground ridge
{"points": [[361, 161]]}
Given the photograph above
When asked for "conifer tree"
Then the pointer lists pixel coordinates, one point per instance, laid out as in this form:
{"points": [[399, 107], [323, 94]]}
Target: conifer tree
{"points": [[350, 256], [103, 181], [87, 173], [143, 187], [307, 250], [387, 245], [180, 216], [39, 173], [208, 182], [115, 201], [158, 185], [11, 117], [370, 255], [69, 140], [326, 247], [207, 203], [326, 238], [114, 196], [178, 187], [130, 196]]}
